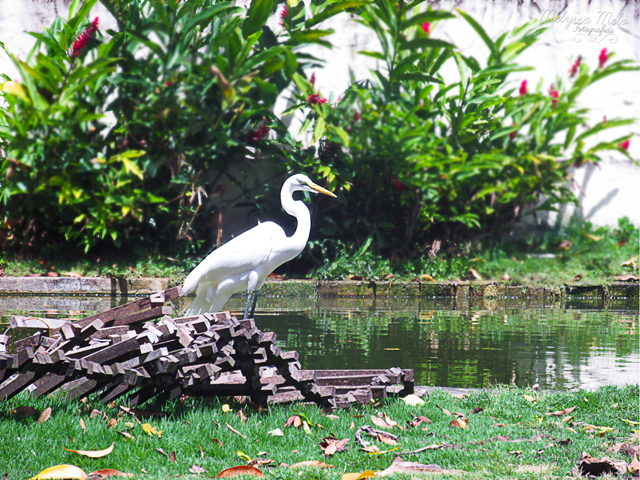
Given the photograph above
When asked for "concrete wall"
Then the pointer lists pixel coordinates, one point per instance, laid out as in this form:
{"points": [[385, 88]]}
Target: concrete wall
{"points": [[607, 191]]}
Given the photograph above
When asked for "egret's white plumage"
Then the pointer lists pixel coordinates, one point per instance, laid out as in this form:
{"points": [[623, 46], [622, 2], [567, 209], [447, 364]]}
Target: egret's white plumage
{"points": [[244, 263]]}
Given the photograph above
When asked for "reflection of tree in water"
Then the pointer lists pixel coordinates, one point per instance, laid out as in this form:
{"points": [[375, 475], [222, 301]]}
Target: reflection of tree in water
{"points": [[473, 348]]}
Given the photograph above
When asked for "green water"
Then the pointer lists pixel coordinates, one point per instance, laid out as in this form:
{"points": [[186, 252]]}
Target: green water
{"points": [[448, 343]]}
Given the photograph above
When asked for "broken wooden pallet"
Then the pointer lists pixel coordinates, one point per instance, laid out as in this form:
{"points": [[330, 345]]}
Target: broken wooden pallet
{"points": [[139, 351]]}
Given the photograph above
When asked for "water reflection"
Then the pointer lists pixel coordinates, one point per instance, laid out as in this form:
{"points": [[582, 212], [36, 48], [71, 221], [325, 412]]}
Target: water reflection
{"points": [[448, 342]]}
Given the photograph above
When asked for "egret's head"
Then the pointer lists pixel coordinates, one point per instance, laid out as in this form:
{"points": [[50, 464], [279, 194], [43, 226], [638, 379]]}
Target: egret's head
{"points": [[302, 182]]}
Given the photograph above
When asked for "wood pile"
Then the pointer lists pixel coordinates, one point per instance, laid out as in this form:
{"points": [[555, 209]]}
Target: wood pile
{"points": [[139, 351]]}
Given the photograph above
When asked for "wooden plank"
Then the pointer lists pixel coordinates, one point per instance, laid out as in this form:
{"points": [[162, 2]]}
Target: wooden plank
{"points": [[155, 312], [48, 324]]}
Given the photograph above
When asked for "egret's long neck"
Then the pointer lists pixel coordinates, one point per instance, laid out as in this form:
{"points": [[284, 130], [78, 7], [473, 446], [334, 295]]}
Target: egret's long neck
{"points": [[299, 210]]}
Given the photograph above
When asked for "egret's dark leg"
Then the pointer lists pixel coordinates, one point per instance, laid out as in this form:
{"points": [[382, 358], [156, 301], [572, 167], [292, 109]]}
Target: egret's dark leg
{"points": [[255, 300], [246, 310]]}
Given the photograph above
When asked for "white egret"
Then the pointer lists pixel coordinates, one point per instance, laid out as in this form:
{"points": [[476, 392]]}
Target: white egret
{"points": [[245, 262]]}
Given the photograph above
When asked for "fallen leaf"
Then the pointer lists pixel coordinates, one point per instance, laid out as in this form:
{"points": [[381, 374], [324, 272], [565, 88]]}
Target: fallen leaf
{"points": [[240, 470], [226, 408], [370, 449], [413, 400], [44, 416], [506, 276], [331, 445], [95, 413], [201, 451], [276, 433], [577, 277], [196, 469], [564, 245], [112, 423], [93, 453], [400, 466], [388, 441], [127, 435], [477, 410], [355, 277], [428, 278], [630, 422], [312, 463], [235, 431], [444, 410], [353, 425], [589, 466], [459, 423], [626, 278], [358, 476], [217, 442], [567, 419], [61, 471], [147, 428], [162, 452], [634, 466], [592, 237], [82, 425], [172, 457], [110, 472], [378, 422], [72, 274], [500, 425], [528, 398], [560, 413], [294, 420], [332, 417], [23, 412], [517, 453], [475, 274], [632, 262]]}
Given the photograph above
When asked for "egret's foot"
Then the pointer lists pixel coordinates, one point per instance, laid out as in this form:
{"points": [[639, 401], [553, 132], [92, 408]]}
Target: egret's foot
{"points": [[255, 300]]}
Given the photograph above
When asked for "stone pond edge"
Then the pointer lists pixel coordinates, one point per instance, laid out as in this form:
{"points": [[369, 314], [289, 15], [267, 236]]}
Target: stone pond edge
{"points": [[321, 288]]}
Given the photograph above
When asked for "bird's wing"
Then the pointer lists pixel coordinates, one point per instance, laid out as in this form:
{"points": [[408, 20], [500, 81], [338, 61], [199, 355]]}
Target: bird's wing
{"points": [[242, 254]]}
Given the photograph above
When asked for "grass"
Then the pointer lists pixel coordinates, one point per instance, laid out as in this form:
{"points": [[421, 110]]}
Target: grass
{"points": [[28, 447], [576, 253]]}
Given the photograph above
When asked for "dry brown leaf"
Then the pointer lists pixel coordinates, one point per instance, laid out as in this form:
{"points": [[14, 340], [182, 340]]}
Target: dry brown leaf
{"points": [[61, 471], [332, 417], [217, 442], [201, 451], [95, 413], [506, 277], [235, 431], [110, 472], [459, 423], [23, 412], [242, 417], [500, 425], [196, 469], [477, 410], [387, 440], [528, 398], [386, 418], [112, 423], [370, 449], [634, 466], [294, 420], [626, 278], [381, 422], [353, 425], [127, 435], [276, 433], [256, 462], [93, 453], [358, 476], [475, 274], [560, 413], [444, 410], [82, 425], [240, 470], [312, 463], [44, 416], [428, 278], [162, 452], [172, 457], [72, 274], [589, 466]]}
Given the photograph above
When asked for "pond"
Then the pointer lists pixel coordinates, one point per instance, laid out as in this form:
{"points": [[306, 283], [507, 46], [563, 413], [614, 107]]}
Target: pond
{"points": [[448, 342]]}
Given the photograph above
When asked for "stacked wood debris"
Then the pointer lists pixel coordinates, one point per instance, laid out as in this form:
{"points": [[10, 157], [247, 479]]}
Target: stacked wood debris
{"points": [[139, 351]]}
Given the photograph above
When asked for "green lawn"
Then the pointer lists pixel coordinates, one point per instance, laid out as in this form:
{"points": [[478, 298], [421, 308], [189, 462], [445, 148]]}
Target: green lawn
{"points": [[511, 438]]}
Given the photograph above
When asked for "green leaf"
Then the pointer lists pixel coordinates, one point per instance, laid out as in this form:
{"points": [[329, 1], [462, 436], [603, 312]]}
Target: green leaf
{"points": [[428, 16], [257, 16], [501, 70], [256, 60], [426, 43], [48, 42], [87, 5], [376, 55], [603, 126], [485, 38], [333, 9], [417, 77], [303, 84], [318, 129], [208, 13], [308, 36]]}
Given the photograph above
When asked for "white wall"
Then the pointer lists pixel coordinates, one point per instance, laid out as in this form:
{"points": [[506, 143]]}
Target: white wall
{"points": [[607, 191]]}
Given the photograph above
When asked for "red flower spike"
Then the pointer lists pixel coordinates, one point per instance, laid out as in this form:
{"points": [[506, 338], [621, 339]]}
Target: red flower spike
{"points": [[258, 134], [523, 88], [575, 66], [84, 38], [624, 145], [555, 94], [604, 119], [315, 99], [603, 57], [282, 15], [399, 185], [356, 116], [426, 26], [313, 79], [512, 135]]}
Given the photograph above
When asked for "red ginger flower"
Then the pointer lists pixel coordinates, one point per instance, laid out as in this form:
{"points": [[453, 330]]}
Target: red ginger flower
{"points": [[426, 26], [282, 15], [315, 99], [83, 38], [258, 134], [575, 66], [523, 88], [624, 145], [554, 93], [399, 185], [313, 79], [603, 57], [356, 115]]}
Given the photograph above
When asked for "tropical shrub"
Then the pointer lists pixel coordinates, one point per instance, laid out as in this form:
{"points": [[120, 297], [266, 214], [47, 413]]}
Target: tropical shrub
{"points": [[427, 158], [121, 141]]}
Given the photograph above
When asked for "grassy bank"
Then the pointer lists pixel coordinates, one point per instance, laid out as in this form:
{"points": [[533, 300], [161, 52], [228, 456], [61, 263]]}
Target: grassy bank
{"points": [[578, 253], [512, 437]]}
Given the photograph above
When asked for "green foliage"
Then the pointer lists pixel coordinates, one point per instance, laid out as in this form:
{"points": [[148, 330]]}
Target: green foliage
{"points": [[191, 86], [422, 158]]}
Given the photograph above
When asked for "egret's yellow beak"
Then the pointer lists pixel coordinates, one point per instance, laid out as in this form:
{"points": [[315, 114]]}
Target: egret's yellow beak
{"points": [[319, 189]]}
